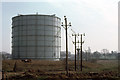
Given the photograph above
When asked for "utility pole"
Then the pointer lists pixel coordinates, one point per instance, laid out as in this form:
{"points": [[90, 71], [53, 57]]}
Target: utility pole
{"points": [[81, 49], [86, 56], [3, 75], [66, 43], [75, 49], [78, 49]]}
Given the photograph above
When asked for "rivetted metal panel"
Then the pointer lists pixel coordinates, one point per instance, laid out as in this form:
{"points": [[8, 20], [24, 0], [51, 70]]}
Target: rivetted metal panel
{"points": [[36, 37]]}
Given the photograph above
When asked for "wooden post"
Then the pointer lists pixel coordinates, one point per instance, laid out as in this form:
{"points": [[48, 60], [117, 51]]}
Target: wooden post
{"points": [[66, 43]]}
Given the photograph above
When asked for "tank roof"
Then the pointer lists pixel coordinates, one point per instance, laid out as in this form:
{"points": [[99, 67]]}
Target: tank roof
{"points": [[36, 15]]}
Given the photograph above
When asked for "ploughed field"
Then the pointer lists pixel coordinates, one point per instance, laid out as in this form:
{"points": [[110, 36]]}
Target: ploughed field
{"points": [[55, 70]]}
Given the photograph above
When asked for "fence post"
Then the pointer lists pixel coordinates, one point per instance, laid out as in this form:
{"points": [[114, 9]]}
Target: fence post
{"points": [[3, 75]]}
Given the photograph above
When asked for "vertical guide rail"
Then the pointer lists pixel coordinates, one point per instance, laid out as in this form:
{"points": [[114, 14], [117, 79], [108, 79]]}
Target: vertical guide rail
{"points": [[36, 33], [18, 46]]}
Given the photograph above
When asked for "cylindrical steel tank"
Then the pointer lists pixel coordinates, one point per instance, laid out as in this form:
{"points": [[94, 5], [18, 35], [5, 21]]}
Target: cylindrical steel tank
{"points": [[36, 37]]}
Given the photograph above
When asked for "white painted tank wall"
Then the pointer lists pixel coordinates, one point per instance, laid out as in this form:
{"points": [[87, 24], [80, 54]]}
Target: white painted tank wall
{"points": [[36, 36]]}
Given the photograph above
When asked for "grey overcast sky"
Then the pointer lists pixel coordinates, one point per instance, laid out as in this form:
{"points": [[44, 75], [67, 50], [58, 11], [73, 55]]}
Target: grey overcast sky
{"points": [[98, 19]]}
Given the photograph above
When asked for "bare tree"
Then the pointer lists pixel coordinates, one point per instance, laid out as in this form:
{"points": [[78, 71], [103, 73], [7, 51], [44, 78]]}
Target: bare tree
{"points": [[105, 51]]}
